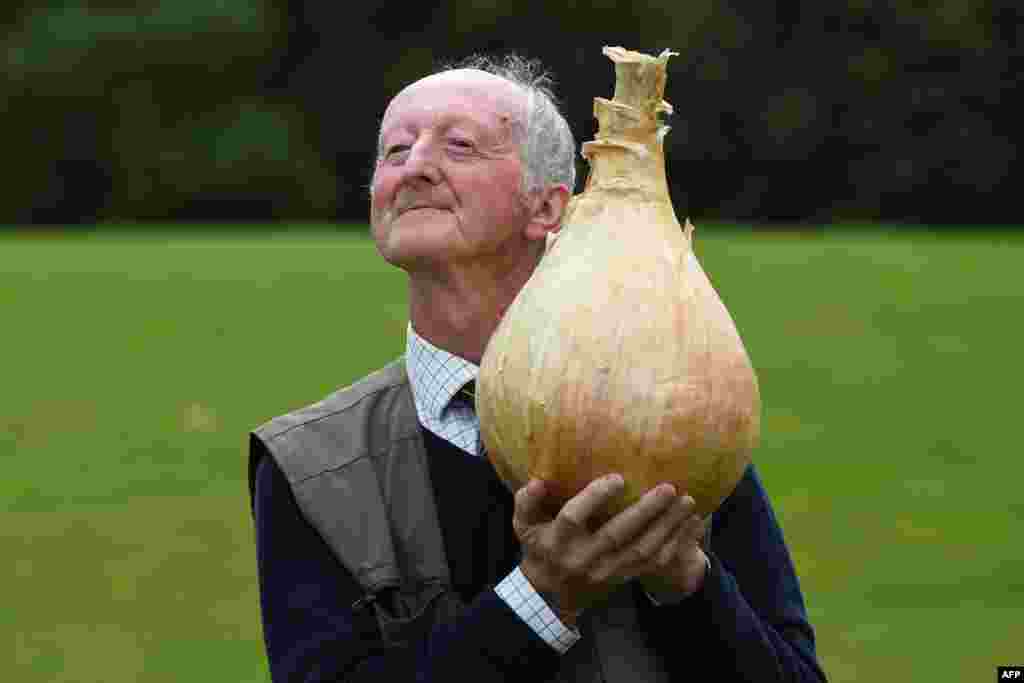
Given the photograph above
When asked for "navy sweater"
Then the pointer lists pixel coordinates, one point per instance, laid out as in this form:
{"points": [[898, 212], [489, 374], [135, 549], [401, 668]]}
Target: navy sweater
{"points": [[747, 623]]}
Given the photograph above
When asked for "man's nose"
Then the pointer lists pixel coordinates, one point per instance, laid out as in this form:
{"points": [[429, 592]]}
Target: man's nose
{"points": [[422, 161]]}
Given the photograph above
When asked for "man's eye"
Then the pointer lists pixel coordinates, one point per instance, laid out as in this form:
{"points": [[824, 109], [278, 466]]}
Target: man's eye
{"points": [[461, 143], [395, 149]]}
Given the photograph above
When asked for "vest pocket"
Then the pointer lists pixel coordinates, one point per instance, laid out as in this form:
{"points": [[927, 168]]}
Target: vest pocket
{"points": [[406, 614]]}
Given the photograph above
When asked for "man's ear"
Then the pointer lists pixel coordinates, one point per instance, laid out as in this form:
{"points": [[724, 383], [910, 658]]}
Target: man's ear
{"points": [[548, 208]]}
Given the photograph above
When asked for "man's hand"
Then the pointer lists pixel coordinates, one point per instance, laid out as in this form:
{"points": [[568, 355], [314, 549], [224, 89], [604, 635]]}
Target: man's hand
{"points": [[685, 575], [574, 568]]}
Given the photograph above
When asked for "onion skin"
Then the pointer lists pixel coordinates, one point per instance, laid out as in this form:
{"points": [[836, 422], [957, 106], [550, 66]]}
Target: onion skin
{"points": [[618, 355]]}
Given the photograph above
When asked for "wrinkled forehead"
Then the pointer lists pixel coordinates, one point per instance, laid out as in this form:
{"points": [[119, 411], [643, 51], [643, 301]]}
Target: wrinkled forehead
{"points": [[468, 92]]}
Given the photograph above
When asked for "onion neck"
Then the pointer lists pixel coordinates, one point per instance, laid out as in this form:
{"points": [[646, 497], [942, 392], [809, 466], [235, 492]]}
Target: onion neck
{"points": [[627, 154]]}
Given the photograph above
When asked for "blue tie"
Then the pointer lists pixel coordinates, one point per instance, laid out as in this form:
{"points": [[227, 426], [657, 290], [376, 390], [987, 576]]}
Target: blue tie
{"points": [[467, 394]]}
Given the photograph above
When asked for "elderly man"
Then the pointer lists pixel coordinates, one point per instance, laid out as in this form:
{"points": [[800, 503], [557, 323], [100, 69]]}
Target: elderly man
{"points": [[388, 549]]}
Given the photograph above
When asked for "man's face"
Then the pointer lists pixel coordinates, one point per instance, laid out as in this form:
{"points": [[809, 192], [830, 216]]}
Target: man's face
{"points": [[447, 185]]}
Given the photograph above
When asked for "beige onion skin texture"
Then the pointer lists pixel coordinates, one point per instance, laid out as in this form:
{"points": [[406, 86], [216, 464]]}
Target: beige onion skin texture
{"points": [[618, 355]]}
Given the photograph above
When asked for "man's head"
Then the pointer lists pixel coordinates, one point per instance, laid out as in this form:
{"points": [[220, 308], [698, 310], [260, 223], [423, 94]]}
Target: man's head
{"points": [[475, 166]]}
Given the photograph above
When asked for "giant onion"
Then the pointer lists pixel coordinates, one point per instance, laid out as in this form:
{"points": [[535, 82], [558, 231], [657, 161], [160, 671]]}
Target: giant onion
{"points": [[618, 355]]}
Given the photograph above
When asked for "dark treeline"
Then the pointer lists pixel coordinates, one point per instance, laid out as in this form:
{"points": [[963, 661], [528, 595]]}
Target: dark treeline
{"points": [[824, 112]]}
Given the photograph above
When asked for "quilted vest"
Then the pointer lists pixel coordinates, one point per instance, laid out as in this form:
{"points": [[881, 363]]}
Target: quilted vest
{"points": [[358, 468]]}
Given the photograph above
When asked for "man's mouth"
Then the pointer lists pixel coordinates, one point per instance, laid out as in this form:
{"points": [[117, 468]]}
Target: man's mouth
{"points": [[419, 207]]}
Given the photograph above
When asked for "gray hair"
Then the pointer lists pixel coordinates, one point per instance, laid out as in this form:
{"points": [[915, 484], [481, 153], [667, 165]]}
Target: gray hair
{"points": [[546, 144], [547, 147]]}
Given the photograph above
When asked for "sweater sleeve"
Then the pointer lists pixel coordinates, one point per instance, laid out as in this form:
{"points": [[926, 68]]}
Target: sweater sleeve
{"points": [[312, 633], [748, 619]]}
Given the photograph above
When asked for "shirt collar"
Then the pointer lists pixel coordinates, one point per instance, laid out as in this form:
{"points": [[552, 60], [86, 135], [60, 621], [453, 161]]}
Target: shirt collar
{"points": [[435, 375]]}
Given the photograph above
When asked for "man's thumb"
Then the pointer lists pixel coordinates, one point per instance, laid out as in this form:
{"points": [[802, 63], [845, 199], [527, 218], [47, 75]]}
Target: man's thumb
{"points": [[529, 511]]}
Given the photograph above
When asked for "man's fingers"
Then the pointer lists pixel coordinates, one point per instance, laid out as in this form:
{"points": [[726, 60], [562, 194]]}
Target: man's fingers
{"points": [[575, 514], [629, 525], [695, 527], [529, 510], [670, 529]]}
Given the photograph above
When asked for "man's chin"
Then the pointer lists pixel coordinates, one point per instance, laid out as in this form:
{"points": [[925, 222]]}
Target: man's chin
{"points": [[437, 223], [418, 247], [417, 260]]}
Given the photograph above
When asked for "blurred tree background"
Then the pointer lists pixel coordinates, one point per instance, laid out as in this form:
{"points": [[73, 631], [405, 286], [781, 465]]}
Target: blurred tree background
{"points": [[821, 112]]}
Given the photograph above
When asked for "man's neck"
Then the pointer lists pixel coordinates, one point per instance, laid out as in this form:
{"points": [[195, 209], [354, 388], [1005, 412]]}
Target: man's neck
{"points": [[444, 321], [460, 314]]}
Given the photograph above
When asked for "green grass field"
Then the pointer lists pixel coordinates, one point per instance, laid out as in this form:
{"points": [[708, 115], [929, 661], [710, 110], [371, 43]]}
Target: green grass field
{"points": [[135, 364]]}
